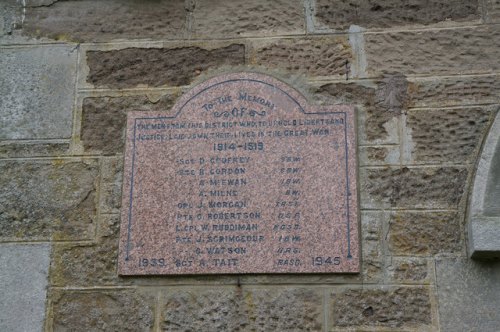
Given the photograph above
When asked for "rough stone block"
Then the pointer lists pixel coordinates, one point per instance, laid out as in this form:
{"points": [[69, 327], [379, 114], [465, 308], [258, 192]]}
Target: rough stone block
{"points": [[10, 16], [234, 309], [468, 294], [88, 264], [410, 270], [23, 281], [37, 88], [492, 11], [429, 187], [94, 20], [379, 155], [104, 119], [33, 149], [437, 52], [455, 91], [446, 135], [219, 18], [155, 67], [102, 310], [312, 57], [337, 14], [402, 307], [41, 200], [111, 185], [425, 233]]}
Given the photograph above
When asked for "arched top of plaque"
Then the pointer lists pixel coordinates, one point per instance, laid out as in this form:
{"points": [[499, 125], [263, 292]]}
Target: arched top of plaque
{"points": [[242, 175], [260, 93]]}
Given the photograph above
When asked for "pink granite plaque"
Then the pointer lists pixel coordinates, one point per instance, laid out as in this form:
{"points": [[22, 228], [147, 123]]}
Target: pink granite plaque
{"points": [[242, 175]]}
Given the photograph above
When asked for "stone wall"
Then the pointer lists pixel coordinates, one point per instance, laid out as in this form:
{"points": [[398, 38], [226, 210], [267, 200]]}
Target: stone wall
{"points": [[423, 75]]}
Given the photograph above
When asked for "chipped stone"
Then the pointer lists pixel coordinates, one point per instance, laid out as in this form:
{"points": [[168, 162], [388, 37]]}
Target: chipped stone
{"points": [[447, 135], [243, 18], [311, 57], [131, 67], [389, 13], [434, 52]]}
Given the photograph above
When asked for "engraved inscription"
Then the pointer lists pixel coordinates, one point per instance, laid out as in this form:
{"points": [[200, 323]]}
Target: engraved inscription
{"points": [[241, 176]]}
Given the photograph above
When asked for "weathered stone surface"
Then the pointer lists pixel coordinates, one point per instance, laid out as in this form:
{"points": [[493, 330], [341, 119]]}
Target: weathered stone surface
{"points": [[337, 14], [437, 52], [455, 91], [102, 310], [103, 120], [312, 57], [94, 20], [33, 149], [47, 199], [23, 282], [492, 11], [10, 16], [237, 309], [88, 264], [425, 233], [154, 67], [409, 270], [219, 18], [379, 104], [430, 187], [37, 89], [111, 185], [468, 294], [447, 135], [379, 155], [403, 307]]}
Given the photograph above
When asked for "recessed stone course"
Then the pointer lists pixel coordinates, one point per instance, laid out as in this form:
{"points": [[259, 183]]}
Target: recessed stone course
{"points": [[436, 52], [447, 135], [338, 14], [311, 57], [104, 118], [41, 200], [242, 309], [94, 20], [425, 233], [102, 310], [131, 67], [402, 307], [219, 18], [428, 187]]}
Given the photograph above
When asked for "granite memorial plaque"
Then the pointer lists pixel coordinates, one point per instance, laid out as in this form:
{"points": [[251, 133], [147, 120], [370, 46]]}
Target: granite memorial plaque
{"points": [[242, 175]]}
